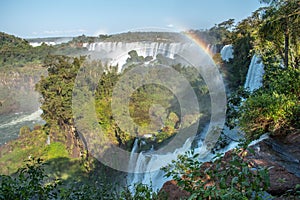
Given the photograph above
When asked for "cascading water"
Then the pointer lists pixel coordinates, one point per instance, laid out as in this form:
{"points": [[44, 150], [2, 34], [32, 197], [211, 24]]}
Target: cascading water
{"points": [[133, 158], [255, 74], [114, 50], [227, 52], [143, 48], [150, 164], [146, 161], [211, 48]]}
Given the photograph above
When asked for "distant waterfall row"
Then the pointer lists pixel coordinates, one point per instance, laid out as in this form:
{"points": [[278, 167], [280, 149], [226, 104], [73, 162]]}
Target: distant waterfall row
{"points": [[143, 48], [118, 51]]}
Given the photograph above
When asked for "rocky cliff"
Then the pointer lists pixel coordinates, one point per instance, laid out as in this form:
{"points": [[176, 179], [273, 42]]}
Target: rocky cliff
{"points": [[17, 89]]}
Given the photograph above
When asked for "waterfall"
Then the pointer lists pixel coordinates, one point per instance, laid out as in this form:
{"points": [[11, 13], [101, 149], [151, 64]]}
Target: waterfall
{"points": [[255, 74], [212, 48], [133, 157], [147, 166], [227, 52], [255, 71], [35, 42], [115, 50]]}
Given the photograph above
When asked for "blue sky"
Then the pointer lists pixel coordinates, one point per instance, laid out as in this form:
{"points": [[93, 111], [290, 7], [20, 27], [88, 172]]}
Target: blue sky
{"points": [[43, 18]]}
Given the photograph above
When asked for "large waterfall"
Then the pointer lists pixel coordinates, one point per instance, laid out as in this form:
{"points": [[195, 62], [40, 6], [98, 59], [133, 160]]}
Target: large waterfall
{"points": [[115, 50], [151, 163], [143, 48]]}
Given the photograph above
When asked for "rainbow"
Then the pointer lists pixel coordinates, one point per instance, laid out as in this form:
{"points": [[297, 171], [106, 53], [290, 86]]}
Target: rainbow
{"points": [[190, 35], [197, 40]]}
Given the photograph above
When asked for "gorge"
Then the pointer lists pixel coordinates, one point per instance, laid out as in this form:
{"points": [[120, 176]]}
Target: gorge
{"points": [[177, 111], [144, 164]]}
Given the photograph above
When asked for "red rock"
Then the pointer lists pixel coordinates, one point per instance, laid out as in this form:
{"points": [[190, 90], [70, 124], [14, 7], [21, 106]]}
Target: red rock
{"points": [[281, 177], [172, 191]]}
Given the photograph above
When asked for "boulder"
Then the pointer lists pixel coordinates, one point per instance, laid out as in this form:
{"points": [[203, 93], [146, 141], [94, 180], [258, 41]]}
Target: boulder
{"points": [[173, 191]]}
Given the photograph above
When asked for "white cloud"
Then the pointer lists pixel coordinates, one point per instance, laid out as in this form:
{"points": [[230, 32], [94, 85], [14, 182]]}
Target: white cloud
{"points": [[64, 32], [170, 25], [101, 32]]}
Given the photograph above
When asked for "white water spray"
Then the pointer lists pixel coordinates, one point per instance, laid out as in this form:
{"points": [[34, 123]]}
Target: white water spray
{"points": [[35, 116]]}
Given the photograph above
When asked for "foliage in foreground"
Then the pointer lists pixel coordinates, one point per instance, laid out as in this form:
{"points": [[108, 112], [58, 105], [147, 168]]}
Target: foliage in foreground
{"points": [[28, 183], [232, 178], [32, 182]]}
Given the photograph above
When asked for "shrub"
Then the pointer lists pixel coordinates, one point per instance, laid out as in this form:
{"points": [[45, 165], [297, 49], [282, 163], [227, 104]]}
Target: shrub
{"points": [[24, 130], [30, 182]]}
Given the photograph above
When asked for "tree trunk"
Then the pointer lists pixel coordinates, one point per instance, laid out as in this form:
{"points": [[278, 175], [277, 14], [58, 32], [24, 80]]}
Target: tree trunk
{"points": [[286, 45], [297, 62], [286, 49]]}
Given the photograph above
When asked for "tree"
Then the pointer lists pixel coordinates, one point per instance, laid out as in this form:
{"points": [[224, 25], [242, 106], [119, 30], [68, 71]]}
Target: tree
{"points": [[222, 31], [56, 90], [275, 107], [281, 30]]}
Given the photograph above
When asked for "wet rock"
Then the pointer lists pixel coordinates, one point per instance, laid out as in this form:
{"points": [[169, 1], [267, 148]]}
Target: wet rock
{"points": [[282, 156]]}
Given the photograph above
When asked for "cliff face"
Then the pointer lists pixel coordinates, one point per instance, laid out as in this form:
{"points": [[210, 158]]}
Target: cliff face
{"points": [[17, 90]]}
